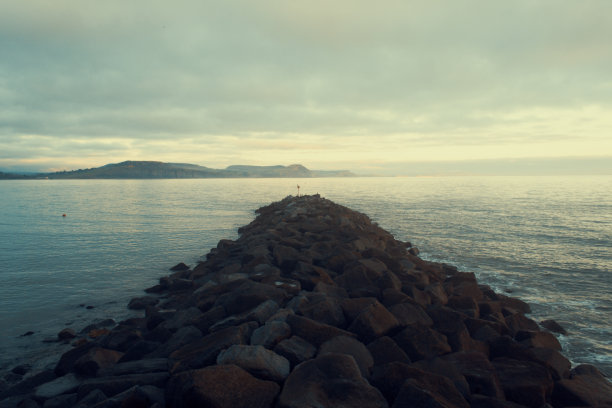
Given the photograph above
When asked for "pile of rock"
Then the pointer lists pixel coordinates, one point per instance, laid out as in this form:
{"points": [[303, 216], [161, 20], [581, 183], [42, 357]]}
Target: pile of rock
{"points": [[316, 306]]}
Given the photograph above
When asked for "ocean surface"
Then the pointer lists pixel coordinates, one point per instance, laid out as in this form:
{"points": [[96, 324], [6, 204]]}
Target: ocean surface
{"points": [[546, 240]]}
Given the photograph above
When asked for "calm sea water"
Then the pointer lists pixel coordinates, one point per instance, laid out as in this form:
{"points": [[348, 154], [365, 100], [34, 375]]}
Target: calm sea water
{"points": [[546, 240]]}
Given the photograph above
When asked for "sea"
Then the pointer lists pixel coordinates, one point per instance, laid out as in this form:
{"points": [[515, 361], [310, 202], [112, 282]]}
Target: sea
{"points": [[546, 240]]}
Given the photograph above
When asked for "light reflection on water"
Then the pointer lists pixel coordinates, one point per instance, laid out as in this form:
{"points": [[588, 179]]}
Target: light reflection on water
{"points": [[547, 240]]}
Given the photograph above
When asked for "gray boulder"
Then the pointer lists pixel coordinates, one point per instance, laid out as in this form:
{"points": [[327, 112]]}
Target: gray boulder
{"points": [[257, 360]]}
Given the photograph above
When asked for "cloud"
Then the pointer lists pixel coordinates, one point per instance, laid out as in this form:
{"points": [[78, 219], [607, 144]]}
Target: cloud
{"points": [[327, 80]]}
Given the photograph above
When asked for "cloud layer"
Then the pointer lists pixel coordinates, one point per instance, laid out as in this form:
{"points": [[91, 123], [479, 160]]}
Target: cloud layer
{"points": [[84, 83]]}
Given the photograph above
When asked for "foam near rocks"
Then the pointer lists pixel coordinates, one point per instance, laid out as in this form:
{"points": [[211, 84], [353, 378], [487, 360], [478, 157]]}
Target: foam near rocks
{"points": [[315, 305]]}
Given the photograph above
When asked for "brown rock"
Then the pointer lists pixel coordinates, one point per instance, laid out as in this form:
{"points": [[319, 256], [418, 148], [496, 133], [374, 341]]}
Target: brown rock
{"points": [[353, 306], [438, 394], [249, 295], [517, 322], [524, 382], [557, 364], [66, 362], [422, 343], [538, 339], [586, 387], [324, 310], [114, 385], [141, 303], [408, 314], [296, 350], [352, 347], [270, 334], [330, 380], [463, 284], [312, 331], [384, 350], [478, 371], [357, 283], [205, 351], [95, 359], [553, 326], [257, 360], [220, 386], [66, 334], [374, 321]]}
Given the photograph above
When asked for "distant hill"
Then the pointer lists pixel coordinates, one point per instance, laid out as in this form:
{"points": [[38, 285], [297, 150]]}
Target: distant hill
{"points": [[160, 170]]}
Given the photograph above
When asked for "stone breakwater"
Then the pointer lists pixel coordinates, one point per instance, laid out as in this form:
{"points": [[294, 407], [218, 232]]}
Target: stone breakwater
{"points": [[316, 306]]}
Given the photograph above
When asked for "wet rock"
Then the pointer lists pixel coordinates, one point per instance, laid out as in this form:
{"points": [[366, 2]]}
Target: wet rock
{"points": [[557, 365], [553, 326], [66, 362], [121, 338], [220, 386], [66, 334], [330, 380], [58, 386], [95, 359], [141, 303], [538, 339], [28, 384], [179, 267], [257, 360]]}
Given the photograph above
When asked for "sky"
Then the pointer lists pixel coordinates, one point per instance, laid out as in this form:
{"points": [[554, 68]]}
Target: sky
{"points": [[387, 87]]}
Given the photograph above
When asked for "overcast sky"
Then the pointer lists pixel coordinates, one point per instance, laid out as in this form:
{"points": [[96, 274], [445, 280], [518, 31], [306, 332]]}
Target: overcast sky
{"points": [[374, 87]]}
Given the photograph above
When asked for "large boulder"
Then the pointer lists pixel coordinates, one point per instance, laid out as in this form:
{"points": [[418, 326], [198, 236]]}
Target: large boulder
{"points": [[585, 387], [295, 349], [220, 386], [372, 322], [384, 350], [249, 295], [352, 347], [524, 382], [257, 360], [422, 343], [312, 331], [330, 380], [270, 334], [204, 352]]}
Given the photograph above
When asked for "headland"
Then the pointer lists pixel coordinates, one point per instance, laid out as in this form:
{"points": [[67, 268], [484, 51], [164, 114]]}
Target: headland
{"points": [[316, 306]]}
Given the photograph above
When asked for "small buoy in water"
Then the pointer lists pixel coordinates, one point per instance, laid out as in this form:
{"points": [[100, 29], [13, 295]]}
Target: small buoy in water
{"points": [[63, 215]]}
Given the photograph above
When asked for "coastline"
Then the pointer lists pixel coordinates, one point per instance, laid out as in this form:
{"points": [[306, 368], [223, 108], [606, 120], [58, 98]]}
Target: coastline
{"points": [[403, 295]]}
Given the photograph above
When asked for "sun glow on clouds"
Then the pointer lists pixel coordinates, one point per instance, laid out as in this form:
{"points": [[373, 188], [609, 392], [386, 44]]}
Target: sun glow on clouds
{"points": [[330, 85]]}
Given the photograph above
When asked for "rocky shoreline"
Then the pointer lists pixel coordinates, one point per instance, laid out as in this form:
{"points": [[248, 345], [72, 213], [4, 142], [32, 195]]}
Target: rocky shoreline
{"points": [[316, 306]]}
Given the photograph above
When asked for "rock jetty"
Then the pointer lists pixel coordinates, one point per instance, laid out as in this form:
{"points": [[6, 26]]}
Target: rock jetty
{"points": [[316, 306]]}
